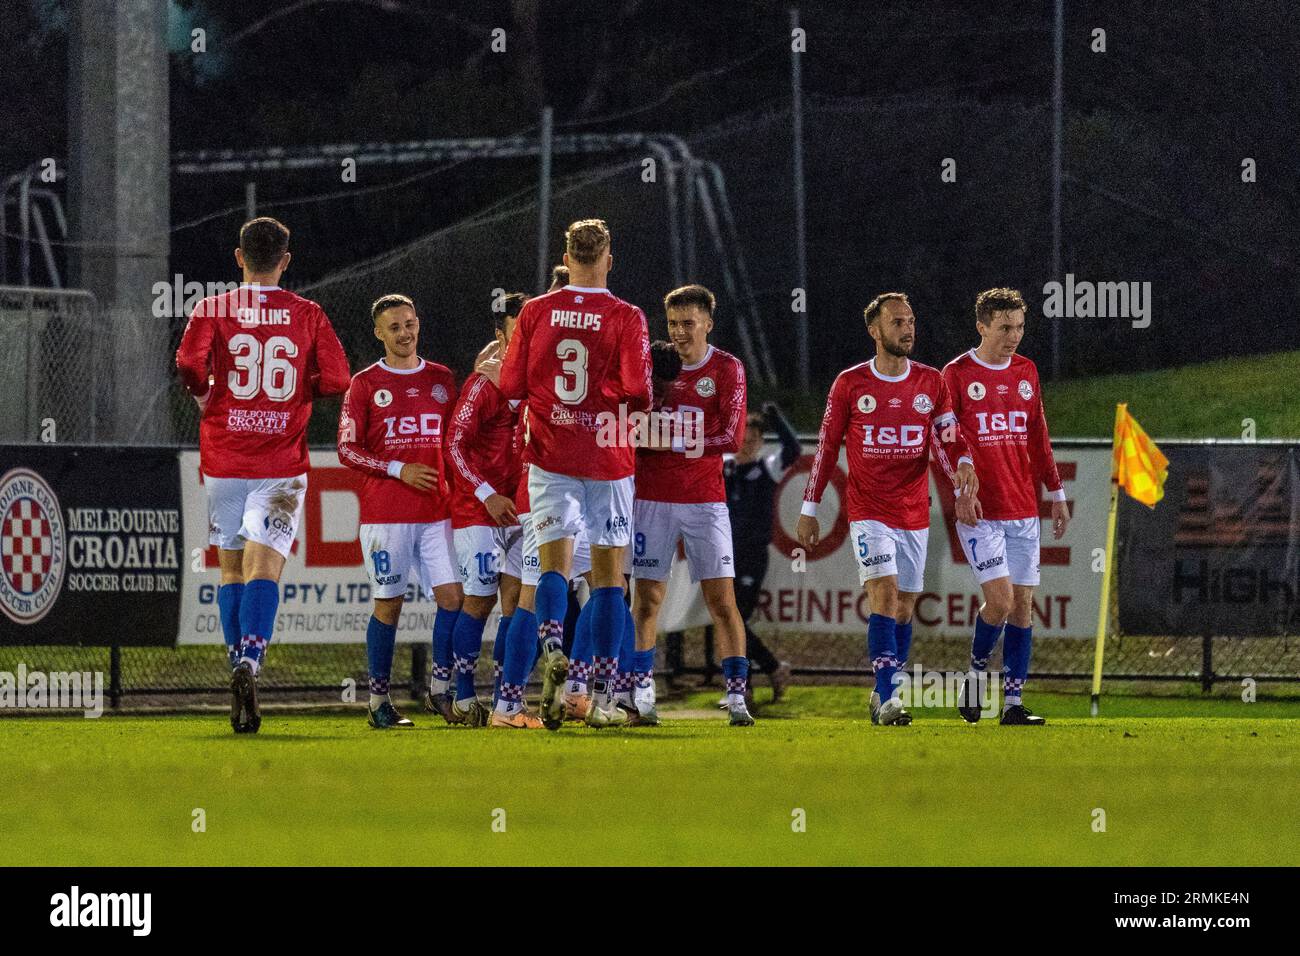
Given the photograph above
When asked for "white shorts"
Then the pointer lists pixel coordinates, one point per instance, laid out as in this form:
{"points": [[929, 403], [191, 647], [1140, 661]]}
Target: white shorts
{"points": [[391, 552], [704, 530], [265, 510], [531, 564], [881, 551], [484, 553], [563, 505], [995, 549]]}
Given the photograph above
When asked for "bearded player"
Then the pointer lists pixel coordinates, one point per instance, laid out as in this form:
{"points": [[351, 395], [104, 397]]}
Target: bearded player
{"points": [[580, 356], [681, 496], [888, 412], [998, 401], [254, 359], [392, 430]]}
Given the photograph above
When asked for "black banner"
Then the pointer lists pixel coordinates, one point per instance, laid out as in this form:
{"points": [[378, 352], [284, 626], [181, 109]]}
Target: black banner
{"points": [[1220, 555], [91, 548]]}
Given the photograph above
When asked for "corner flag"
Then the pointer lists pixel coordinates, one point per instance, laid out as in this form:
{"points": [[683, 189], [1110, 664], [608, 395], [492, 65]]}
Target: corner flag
{"points": [[1137, 465], [1140, 468]]}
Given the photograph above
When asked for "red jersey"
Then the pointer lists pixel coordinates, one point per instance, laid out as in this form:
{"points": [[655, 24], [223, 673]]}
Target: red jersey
{"points": [[1000, 409], [269, 353], [523, 504], [393, 417], [577, 355], [481, 449], [888, 424], [707, 403]]}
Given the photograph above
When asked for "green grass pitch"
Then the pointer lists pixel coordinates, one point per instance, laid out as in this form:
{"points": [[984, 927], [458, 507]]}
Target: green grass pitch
{"points": [[1182, 781]]}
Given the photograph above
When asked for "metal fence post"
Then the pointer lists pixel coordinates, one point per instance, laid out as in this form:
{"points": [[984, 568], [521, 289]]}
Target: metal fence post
{"points": [[115, 676], [1207, 664]]}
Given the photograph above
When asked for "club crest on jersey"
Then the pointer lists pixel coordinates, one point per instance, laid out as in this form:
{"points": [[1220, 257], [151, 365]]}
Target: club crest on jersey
{"points": [[705, 387], [976, 391], [923, 404], [439, 393], [866, 404], [383, 398], [33, 558], [1025, 389]]}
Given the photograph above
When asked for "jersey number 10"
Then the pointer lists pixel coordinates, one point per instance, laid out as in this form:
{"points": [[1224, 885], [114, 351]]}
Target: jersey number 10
{"points": [[264, 368]]}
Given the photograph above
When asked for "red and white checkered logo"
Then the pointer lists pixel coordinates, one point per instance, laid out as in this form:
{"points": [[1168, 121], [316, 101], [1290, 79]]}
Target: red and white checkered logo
{"points": [[32, 555]]}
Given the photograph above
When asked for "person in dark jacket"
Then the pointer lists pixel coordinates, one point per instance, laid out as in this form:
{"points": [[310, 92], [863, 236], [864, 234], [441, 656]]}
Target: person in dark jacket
{"points": [[752, 478]]}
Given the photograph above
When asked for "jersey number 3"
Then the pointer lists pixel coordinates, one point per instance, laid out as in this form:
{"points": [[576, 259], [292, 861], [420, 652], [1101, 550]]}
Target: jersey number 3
{"points": [[264, 368], [573, 360]]}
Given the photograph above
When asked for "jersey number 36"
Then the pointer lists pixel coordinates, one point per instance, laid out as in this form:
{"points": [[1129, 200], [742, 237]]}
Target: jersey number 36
{"points": [[265, 368]]}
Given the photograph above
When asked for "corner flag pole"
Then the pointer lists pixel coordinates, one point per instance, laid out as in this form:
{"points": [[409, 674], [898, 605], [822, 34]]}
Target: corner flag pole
{"points": [[1103, 613]]}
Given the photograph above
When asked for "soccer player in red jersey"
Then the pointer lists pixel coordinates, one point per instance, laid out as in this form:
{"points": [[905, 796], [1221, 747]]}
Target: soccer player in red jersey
{"points": [[254, 359], [998, 401], [681, 496], [889, 412], [579, 358], [392, 430], [485, 457]]}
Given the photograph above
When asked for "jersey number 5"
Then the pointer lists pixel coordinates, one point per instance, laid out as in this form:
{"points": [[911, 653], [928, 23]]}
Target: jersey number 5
{"points": [[573, 360], [263, 368]]}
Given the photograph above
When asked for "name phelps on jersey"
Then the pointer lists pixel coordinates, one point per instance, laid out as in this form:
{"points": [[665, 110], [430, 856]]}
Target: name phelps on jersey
{"points": [[569, 319]]}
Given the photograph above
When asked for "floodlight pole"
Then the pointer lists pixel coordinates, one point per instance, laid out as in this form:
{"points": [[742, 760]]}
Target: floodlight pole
{"points": [[544, 204], [800, 239], [1058, 102]]}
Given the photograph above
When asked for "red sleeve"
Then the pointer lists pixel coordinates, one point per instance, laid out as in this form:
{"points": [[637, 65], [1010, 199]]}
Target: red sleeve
{"points": [[946, 440], [354, 421], [514, 370], [634, 362], [332, 374], [1041, 459], [733, 436], [194, 356], [829, 439], [476, 404]]}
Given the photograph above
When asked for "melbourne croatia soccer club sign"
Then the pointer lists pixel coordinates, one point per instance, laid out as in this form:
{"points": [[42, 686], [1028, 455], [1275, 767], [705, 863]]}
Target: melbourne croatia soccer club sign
{"points": [[90, 545], [818, 592]]}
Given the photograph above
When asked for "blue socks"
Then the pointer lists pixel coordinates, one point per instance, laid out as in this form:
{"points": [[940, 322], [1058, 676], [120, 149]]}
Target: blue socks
{"points": [[499, 655], [626, 653], [228, 598], [903, 641], [550, 606], [986, 638], [882, 648], [520, 653], [257, 607], [607, 612], [444, 625], [1015, 661], [466, 642], [381, 638], [581, 655], [735, 671]]}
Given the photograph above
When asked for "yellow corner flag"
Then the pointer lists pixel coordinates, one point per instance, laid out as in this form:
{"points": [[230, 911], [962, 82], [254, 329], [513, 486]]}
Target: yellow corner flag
{"points": [[1138, 466]]}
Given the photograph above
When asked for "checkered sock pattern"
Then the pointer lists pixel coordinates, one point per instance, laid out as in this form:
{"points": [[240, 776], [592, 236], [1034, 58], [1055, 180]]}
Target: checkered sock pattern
{"points": [[551, 634], [579, 672], [623, 682], [735, 685], [979, 664], [464, 665], [643, 678], [1011, 687], [512, 693], [496, 672], [441, 673], [253, 648], [378, 686], [604, 672]]}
